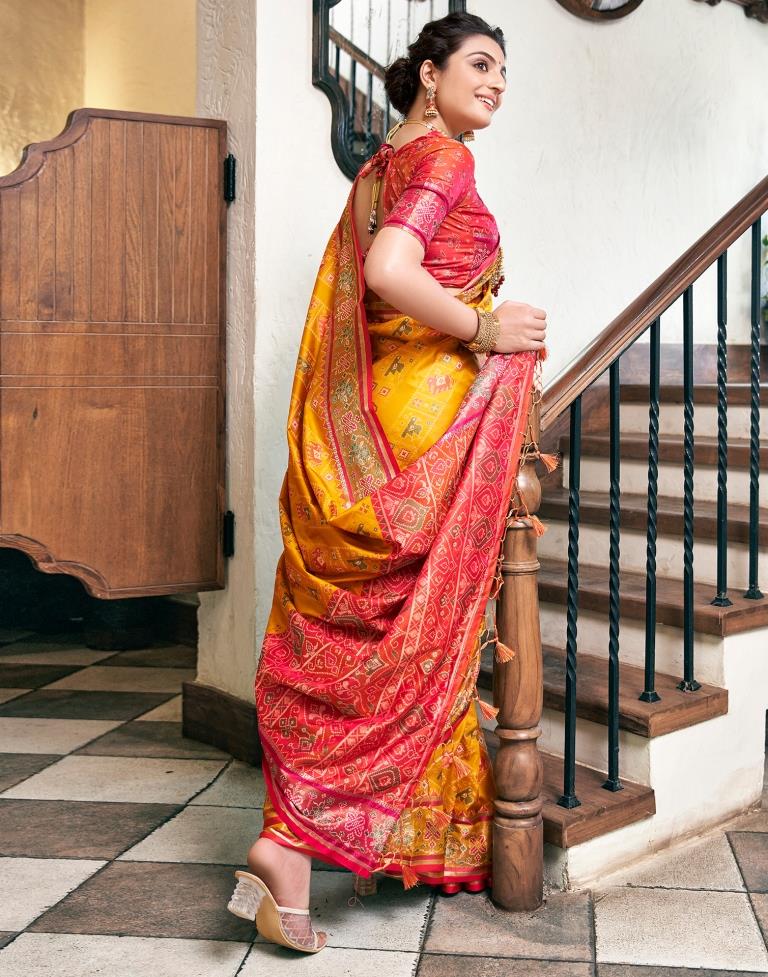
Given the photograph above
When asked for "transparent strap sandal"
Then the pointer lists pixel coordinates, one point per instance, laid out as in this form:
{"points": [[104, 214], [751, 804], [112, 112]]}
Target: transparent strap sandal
{"points": [[280, 924]]}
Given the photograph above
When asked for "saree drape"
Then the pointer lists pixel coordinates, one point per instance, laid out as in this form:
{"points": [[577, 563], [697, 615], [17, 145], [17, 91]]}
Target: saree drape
{"points": [[403, 453]]}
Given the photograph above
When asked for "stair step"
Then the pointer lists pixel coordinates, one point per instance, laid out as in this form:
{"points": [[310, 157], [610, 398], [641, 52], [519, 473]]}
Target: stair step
{"points": [[742, 615], [594, 510], [739, 393], [676, 709], [634, 447], [600, 812]]}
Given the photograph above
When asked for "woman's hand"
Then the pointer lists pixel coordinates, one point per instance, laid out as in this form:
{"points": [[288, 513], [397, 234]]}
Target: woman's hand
{"points": [[523, 327]]}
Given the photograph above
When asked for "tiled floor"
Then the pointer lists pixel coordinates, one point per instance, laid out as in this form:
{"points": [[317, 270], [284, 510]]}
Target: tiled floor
{"points": [[118, 839]]}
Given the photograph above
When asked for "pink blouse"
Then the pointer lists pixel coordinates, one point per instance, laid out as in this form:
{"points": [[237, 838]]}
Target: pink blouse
{"points": [[429, 190]]}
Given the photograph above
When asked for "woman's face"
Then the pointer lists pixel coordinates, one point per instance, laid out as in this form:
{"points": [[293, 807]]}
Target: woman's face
{"points": [[470, 84]]}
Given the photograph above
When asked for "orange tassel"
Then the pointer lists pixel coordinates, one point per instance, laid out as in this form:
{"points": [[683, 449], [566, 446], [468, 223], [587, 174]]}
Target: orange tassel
{"points": [[410, 878], [441, 818], [504, 653], [460, 766], [538, 526], [550, 462], [489, 711]]}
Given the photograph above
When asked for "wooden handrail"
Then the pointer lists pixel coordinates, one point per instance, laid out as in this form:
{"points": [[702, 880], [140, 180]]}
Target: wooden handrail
{"points": [[362, 57], [638, 315]]}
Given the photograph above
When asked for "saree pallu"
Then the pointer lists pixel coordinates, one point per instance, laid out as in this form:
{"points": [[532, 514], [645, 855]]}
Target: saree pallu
{"points": [[403, 455]]}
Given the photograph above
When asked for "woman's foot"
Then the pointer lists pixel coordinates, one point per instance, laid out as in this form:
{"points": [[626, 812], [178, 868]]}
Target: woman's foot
{"points": [[286, 873]]}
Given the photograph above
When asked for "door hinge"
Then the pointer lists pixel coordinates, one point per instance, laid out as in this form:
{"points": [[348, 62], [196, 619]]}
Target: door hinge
{"points": [[228, 533], [230, 164]]}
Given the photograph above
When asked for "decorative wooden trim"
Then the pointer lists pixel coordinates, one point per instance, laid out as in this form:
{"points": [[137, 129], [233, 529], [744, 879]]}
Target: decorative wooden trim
{"points": [[215, 717], [756, 9], [585, 10], [619, 334]]}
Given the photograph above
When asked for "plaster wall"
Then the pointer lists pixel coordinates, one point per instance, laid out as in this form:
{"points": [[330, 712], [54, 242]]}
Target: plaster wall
{"points": [[140, 56], [618, 145], [41, 53], [226, 89]]}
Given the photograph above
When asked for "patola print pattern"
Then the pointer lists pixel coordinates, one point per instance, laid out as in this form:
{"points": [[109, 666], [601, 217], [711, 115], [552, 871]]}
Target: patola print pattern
{"points": [[371, 652]]}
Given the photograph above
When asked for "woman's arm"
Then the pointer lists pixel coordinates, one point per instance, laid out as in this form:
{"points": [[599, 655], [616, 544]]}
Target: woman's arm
{"points": [[394, 271]]}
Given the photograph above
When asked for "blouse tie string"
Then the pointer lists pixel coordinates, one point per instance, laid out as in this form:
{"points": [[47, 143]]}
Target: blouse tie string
{"points": [[378, 162]]}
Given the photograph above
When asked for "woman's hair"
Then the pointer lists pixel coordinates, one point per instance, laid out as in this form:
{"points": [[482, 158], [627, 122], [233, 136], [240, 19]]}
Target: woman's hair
{"points": [[436, 42]]}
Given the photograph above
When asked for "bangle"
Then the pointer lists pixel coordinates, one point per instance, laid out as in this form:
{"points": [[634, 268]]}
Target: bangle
{"points": [[487, 335]]}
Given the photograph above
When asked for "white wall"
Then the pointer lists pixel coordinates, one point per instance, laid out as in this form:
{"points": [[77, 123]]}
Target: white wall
{"points": [[618, 144]]}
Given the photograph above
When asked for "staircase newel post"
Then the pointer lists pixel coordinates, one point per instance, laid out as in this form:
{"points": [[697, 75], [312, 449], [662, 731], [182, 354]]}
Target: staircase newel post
{"points": [[518, 692]]}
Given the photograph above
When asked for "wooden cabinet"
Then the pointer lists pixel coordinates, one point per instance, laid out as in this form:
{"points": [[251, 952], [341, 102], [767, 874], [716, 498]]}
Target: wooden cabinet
{"points": [[112, 342]]}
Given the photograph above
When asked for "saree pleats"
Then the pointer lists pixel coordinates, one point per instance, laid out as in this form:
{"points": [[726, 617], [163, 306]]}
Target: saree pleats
{"points": [[402, 458]]}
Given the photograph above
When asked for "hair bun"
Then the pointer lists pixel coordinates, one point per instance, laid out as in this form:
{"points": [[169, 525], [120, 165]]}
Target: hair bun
{"points": [[401, 83]]}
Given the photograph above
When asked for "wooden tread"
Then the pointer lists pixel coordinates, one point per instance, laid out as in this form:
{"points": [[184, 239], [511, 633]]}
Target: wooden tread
{"points": [[600, 811], [634, 447], [675, 710], [739, 393], [594, 510], [742, 615]]}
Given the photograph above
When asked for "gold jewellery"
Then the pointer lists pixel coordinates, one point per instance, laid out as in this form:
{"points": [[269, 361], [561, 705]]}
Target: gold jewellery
{"points": [[487, 335], [430, 112]]}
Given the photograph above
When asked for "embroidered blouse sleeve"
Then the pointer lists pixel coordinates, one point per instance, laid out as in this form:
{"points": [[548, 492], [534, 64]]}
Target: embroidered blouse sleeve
{"points": [[438, 182]]}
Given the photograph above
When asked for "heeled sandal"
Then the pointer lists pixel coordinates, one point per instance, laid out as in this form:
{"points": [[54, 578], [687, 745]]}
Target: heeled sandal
{"points": [[252, 900]]}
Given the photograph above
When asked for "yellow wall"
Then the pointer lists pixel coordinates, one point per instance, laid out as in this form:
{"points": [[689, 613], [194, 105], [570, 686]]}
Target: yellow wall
{"points": [[140, 55], [59, 55], [41, 72]]}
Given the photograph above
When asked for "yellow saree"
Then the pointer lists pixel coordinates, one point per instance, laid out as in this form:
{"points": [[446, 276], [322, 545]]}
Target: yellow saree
{"points": [[403, 454]]}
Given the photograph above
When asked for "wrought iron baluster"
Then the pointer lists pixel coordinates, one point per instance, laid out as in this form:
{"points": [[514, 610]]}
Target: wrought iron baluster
{"points": [[337, 62], [369, 117], [753, 591], [569, 798], [613, 783], [649, 693], [688, 683], [721, 599]]}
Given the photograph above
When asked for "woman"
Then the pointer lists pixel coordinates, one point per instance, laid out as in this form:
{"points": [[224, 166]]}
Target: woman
{"points": [[403, 452]]}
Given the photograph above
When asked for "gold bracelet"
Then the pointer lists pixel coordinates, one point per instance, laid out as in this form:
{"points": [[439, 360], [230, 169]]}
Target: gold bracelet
{"points": [[487, 335]]}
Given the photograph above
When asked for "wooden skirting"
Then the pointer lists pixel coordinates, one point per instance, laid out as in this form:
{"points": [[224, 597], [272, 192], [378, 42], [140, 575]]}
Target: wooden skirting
{"points": [[222, 720]]}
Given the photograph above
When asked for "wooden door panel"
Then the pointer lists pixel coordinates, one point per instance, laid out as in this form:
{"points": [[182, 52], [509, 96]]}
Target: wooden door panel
{"points": [[112, 249]]}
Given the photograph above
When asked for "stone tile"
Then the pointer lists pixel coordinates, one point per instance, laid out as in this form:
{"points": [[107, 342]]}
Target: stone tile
{"points": [[7, 635], [561, 929], [13, 676], [276, 961], [158, 739], [133, 779], [706, 863], [622, 970], [29, 886], [76, 829], [678, 928], [751, 850], [170, 656], [760, 907], [213, 835], [40, 641], [169, 712], [49, 735], [122, 679], [240, 785], [62, 955], [63, 704], [393, 918], [148, 899], [453, 965], [7, 694], [15, 654], [15, 767]]}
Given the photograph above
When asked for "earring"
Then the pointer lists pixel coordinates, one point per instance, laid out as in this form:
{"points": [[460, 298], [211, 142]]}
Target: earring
{"points": [[468, 136], [431, 111]]}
